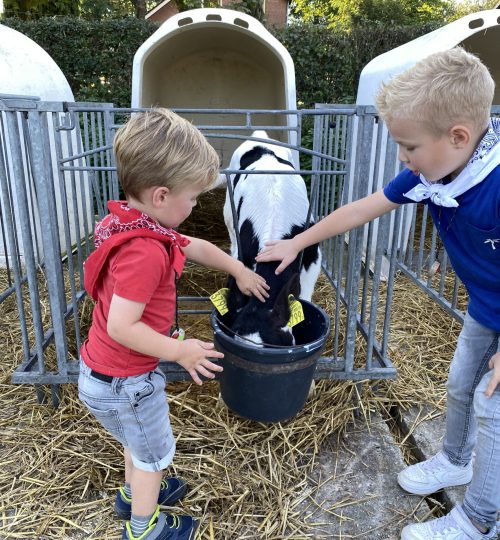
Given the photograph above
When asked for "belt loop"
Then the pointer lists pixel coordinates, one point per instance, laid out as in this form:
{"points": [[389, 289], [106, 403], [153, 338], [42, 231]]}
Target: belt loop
{"points": [[116, 385]]}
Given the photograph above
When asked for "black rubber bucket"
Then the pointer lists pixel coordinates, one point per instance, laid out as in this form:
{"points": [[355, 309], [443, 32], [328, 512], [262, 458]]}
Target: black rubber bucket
{"points": [[271, 384]]}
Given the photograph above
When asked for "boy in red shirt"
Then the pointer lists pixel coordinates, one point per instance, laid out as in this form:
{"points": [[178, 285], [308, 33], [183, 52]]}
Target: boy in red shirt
{"points": [[163, 164]]}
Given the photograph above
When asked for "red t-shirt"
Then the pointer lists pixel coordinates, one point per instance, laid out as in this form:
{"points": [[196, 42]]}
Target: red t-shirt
{"points": [[138, 270]]}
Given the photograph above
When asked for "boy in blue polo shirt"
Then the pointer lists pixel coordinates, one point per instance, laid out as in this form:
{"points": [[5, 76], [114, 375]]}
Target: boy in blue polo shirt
{"points": [[438, 112]]}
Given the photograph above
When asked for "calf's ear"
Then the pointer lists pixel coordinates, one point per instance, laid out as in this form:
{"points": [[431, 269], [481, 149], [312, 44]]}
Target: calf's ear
{"points": [[281, 309]]}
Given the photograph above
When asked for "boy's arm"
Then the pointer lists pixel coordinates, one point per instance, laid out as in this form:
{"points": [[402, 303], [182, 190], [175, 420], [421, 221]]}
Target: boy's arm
{"points": [[344, 219], [127, 329], [206, 254]]}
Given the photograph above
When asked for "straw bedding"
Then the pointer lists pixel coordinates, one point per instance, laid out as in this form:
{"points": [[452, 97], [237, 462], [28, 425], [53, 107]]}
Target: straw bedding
{"points": [[60, 469]]}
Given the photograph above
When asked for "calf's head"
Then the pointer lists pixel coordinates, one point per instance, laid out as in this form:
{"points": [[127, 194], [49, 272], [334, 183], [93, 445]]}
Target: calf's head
{"points": [[261, 323]]}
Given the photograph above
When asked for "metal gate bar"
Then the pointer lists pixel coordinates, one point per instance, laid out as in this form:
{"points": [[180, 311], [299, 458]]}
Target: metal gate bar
{"points": [[57, 174]]}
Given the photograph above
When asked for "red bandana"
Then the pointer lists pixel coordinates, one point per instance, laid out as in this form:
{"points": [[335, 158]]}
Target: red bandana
{"points": [[118, 227]]}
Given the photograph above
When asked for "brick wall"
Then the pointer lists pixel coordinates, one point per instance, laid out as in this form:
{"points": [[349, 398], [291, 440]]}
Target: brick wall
{"points": [[164, 13], [276, 12]]}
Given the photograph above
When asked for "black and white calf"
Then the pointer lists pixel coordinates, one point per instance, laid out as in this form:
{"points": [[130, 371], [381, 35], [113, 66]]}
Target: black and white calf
{"points": [[268, 207]]}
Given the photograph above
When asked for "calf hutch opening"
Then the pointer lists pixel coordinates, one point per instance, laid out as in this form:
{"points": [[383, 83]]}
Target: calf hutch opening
{"points": [[217, 59], [53, 307]]}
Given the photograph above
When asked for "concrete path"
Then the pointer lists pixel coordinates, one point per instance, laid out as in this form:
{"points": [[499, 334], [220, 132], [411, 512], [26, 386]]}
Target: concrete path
{"points": [[353, 491], [353, 487]]}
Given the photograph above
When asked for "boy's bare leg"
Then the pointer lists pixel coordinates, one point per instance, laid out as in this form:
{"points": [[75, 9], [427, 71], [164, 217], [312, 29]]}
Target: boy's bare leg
{"points": [[145, 487], [128, 465]]}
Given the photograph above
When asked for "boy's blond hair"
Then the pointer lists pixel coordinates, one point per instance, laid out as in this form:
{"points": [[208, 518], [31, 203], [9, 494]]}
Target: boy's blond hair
{"points": [[442, 90], [159, 148]]}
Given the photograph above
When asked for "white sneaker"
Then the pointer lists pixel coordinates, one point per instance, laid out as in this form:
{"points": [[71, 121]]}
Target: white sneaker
{"points": [[433, 474], [454, 526]]}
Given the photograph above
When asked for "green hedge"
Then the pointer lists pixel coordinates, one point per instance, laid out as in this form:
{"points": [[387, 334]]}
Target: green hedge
{"points": [[96, 56], [328, 63]]}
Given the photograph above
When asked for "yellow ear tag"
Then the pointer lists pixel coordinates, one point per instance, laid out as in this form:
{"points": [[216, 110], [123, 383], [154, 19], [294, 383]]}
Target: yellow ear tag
{"points": [[219, 300], [297, 313]]}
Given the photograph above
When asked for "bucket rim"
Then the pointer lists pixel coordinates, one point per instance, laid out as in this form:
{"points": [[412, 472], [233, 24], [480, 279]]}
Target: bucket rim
{"points": [[278, 351]]}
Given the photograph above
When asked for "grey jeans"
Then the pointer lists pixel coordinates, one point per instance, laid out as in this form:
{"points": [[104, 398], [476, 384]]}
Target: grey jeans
{"points": [[134, 410], [473, 420]]}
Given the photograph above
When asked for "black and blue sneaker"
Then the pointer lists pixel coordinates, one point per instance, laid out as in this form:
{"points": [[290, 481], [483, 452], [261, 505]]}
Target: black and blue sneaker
{"points": [[172, 489], [164, 527]]}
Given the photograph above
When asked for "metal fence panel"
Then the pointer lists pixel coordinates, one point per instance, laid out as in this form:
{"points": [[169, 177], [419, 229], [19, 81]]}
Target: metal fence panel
{"points": [[57, 174]]}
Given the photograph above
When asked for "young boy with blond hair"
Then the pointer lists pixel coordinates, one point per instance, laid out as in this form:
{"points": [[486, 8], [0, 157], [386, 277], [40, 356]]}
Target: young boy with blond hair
{"points": [[163, 164], [438, 111]]}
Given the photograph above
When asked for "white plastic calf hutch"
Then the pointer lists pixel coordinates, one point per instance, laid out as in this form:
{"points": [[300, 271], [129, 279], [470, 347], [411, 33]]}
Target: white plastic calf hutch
{"points": [[478, 33], [26, 69], [217, 59], [28, 75]]}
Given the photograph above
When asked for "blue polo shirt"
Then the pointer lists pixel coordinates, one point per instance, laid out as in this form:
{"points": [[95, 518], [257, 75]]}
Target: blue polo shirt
{"points": [[471, 236]]}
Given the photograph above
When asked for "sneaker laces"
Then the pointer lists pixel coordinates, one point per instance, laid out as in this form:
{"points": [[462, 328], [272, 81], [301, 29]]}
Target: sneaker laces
{"points": [[433, 464], [173, 521], [444, 524], [164, 484]]}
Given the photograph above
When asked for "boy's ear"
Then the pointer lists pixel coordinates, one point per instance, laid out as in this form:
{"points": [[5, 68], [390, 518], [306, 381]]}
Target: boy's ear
{"points": [[460, 136], [159, 195]]}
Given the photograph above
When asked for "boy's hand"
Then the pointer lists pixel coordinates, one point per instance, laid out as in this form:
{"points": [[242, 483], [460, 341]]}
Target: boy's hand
{"points": [[251, 283], [278, 250], [494, 364], [194, 356]]}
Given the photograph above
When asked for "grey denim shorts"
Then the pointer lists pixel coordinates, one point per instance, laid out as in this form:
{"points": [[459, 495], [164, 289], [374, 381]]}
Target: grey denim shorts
{"points": [[134, 410]]}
